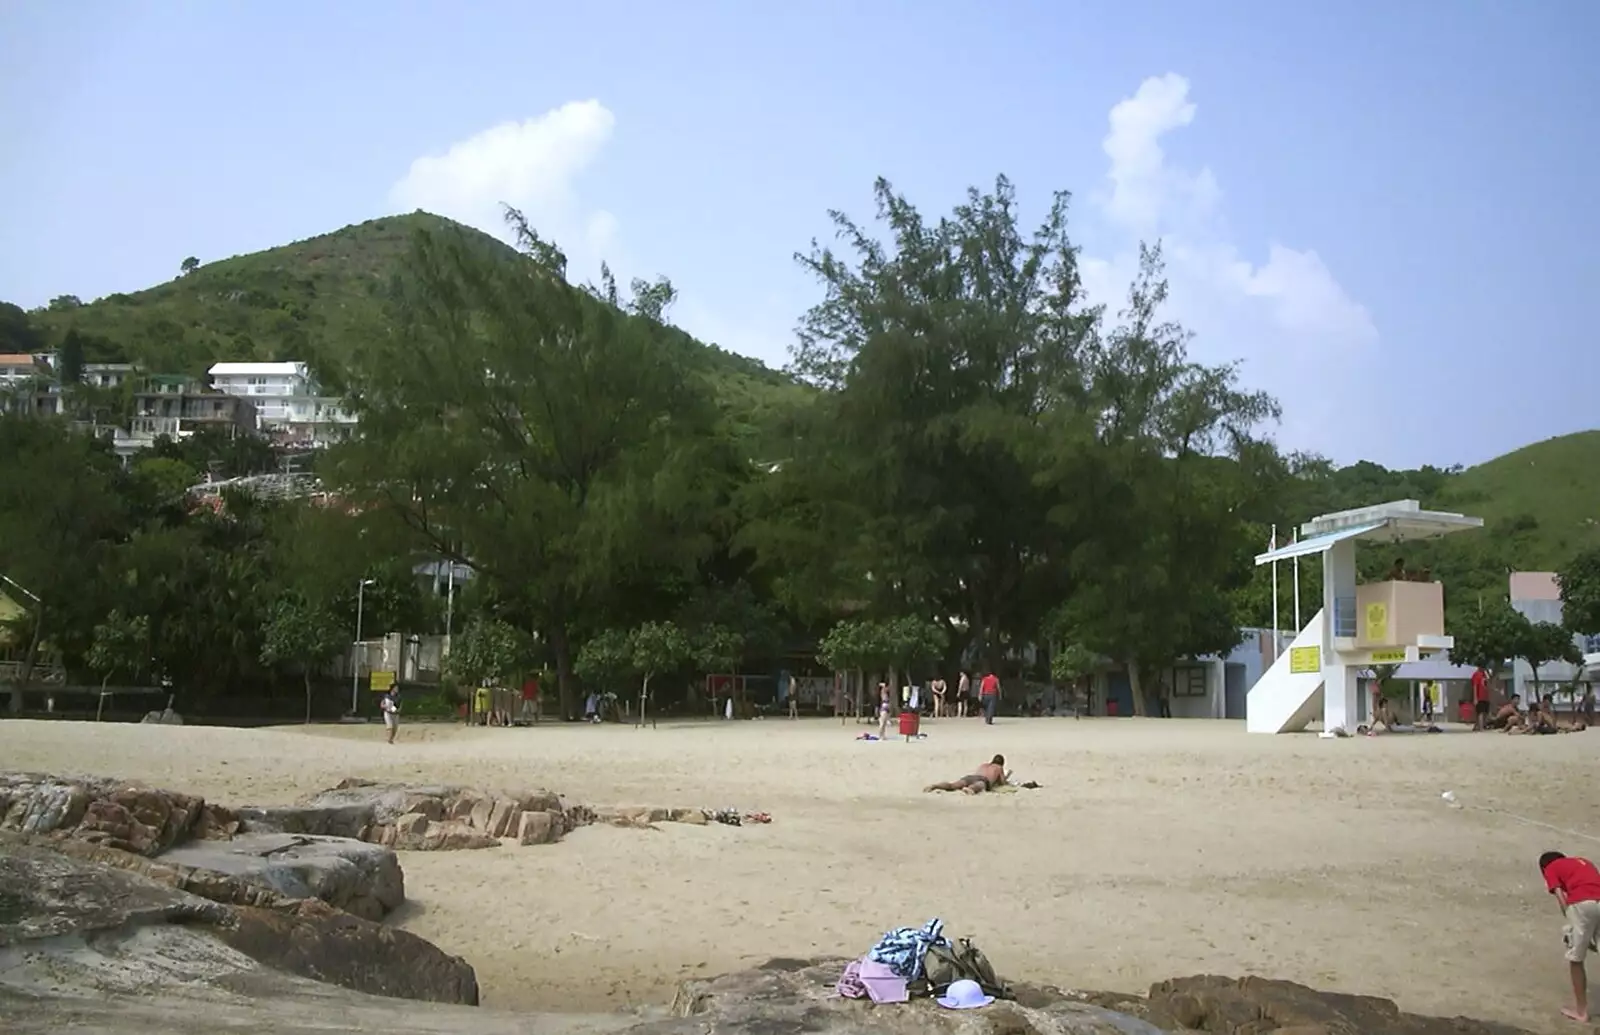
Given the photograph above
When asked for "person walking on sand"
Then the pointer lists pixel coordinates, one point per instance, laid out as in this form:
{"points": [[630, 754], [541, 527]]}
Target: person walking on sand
{"points": [[938, 688], [389, 704], [1575, 883], [989, 690], [963, 692], [885, 706]]}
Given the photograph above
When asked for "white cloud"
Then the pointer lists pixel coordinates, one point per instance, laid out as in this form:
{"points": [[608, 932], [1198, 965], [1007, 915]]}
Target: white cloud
{"points": [[1282, 317], [532, 165]]}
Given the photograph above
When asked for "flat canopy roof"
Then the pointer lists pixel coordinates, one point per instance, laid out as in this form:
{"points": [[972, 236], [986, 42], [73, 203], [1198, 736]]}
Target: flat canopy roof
{"points": [[1386, 522]]}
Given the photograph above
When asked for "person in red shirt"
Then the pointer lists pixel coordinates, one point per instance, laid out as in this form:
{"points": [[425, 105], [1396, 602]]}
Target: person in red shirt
{"points": [[1480, 699], [1576, 885], [989, 691]]}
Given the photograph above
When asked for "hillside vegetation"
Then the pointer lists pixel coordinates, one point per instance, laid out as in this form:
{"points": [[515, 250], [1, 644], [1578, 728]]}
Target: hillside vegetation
{"points": [[312, 300]]}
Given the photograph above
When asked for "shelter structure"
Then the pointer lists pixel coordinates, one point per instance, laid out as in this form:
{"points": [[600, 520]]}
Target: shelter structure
{"points": [[1394, 621]]}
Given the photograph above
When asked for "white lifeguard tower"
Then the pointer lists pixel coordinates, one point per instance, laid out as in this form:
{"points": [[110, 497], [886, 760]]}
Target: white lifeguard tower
{"points": [[1358, 626]]}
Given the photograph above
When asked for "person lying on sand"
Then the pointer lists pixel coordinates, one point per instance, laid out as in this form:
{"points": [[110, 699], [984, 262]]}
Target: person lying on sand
{"points": [[990, 774]]}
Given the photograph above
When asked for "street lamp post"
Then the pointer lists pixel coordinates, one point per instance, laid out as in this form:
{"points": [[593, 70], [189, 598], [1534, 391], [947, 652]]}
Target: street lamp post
{"points": [[355, 668]]}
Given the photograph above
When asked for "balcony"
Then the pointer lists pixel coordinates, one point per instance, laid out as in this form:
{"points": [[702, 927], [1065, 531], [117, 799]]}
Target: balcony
{"points": [[1398, 614]]}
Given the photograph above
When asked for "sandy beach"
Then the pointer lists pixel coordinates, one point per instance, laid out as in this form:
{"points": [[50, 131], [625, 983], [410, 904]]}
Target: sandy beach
{"points": [[1154, 849]]}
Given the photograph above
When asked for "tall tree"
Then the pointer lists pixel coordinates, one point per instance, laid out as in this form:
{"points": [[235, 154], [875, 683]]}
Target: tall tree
{"points": [[912, 483], [301, 634], [1177, 462], [71, 358], [529, 430], [1580, 592], [61, 519], [1540, 643], [18, 335], [1487, 636]]}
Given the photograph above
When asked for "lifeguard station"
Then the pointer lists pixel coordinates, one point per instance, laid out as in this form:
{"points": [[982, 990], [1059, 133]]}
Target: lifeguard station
{"points": [[1378, 623]]}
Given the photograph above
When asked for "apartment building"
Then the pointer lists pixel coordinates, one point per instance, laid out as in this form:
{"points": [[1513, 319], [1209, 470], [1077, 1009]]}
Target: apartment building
{"points": [[290, 408], [176, 407]]}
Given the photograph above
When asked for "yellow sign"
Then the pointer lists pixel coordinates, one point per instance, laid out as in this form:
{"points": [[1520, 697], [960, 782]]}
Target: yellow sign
{"points": [[1305, 659], [1393, 656], [1377, 622], [382, 682]]}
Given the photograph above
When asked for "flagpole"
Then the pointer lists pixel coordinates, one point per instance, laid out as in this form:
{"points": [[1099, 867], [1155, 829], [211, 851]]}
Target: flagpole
{"points": [[1273, 545], [1296, 563]]}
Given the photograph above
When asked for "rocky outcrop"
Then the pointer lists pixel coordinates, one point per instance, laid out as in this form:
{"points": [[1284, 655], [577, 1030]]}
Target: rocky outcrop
{"points": [[129, 816], [119, 949], [1257, 1006], [362, 879], [798, 996], [420, 818], [77, 913]]}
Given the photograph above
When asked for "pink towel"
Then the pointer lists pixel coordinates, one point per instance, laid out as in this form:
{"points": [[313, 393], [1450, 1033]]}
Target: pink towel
{"points": [[883, 984]]}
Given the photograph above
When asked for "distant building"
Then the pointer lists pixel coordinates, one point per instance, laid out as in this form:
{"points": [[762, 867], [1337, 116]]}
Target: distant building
{"points": [[1537, 595], [176, 407], [290, 409]]}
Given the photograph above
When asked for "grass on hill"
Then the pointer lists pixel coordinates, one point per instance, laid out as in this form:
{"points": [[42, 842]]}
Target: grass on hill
{"points": [[304, 301]]}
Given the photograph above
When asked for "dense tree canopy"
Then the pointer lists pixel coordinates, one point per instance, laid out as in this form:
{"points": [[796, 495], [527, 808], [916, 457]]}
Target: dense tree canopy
{"points": [[968, 458]]}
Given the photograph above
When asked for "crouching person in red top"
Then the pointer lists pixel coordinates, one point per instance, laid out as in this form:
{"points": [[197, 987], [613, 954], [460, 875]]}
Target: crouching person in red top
{"points": [[1576, 885]]}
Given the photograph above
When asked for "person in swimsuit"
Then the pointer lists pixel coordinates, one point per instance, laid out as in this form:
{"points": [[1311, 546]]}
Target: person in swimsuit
{"points": [[938, 688], [885, 706], [989, 775]]}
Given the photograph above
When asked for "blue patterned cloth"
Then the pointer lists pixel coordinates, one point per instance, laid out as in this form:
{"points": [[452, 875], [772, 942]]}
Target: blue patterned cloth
{"points": [[902, 949]]}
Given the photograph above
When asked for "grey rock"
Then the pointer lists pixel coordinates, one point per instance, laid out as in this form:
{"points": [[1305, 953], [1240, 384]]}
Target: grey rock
{"points": [[117, 929], [162, 717], [362, 879]]}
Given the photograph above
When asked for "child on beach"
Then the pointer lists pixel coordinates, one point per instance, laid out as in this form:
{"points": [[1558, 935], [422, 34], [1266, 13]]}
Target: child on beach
{"points": [[1575, 883]]}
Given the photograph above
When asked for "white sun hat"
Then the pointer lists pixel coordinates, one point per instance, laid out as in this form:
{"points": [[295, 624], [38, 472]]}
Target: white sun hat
{"points": [[964, 995]]}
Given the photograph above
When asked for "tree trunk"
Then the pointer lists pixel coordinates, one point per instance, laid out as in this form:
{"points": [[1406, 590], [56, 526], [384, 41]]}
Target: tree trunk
{"points": [[567, 688], [308, 695], [1136, 690], [29, 661], [644, 697]]}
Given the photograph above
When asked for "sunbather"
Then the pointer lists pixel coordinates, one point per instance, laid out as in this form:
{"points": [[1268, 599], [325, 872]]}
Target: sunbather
{"points": [[989, 775]]}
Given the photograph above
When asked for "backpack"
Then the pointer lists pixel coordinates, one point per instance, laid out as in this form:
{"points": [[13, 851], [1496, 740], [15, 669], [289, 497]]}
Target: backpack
{"points": [[946, 963]]}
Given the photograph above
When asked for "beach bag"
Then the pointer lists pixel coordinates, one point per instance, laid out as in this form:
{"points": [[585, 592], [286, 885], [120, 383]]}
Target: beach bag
{"points": [[946, 963]]}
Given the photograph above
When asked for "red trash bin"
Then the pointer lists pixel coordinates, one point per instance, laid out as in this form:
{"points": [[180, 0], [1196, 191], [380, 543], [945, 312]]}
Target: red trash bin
{"points": [[910, 722], [1111, 706]]}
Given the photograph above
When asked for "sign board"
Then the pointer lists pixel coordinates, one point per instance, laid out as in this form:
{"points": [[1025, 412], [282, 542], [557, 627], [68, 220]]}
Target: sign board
{"points": [[1303, 660], [1393, 656], [1377, 622], [382, 682]]}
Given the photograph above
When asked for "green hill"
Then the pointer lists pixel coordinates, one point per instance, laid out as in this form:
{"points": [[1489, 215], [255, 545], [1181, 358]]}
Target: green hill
{"points": [[307, 301], [1548, 494]]}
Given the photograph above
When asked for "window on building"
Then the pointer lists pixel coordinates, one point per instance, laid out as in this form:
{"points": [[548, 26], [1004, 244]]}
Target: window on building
{"points": [[1189, 681]]}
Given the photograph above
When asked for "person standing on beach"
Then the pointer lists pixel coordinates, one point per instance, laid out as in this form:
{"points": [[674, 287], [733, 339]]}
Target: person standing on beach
{"points": [[963, 692], [938, 688], [885, 706], [1480, 699], [1576, 885], [989, 690], [389, 704]]}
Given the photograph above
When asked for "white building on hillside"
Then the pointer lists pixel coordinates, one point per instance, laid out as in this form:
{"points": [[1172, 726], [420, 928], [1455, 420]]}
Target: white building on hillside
{"points": [[289, 406]]}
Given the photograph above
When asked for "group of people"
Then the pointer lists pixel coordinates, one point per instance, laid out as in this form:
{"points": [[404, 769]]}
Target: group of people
{"points": [[912, 700], [1540, 717]]}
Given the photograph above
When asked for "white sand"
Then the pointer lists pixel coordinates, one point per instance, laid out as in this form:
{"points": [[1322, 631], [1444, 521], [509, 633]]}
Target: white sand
{"points": [[1156, 849]]}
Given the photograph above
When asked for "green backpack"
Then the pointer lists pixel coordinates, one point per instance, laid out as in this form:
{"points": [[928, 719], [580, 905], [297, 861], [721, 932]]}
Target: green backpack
{"points": [[946, 963]]}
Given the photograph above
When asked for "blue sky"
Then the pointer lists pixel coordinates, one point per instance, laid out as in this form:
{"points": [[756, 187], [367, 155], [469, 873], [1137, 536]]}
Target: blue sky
{"points": [[1380, 208]]}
